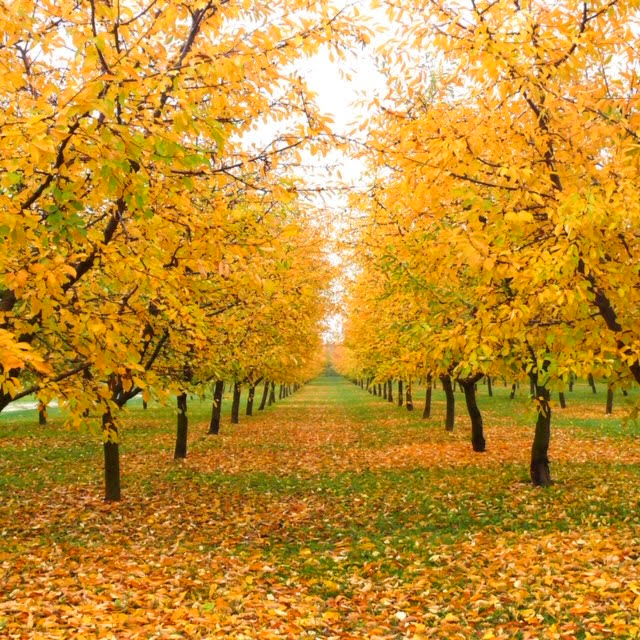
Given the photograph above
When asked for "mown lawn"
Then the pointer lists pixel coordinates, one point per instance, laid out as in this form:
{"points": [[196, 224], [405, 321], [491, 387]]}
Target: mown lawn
{"points": [[332, 514]]}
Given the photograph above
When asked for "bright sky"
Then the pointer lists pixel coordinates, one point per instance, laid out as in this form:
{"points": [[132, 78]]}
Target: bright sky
{"points": [[342, 98]]}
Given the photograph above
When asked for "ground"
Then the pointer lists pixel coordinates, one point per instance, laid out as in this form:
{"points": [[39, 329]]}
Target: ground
{"points": [[332, 514]]}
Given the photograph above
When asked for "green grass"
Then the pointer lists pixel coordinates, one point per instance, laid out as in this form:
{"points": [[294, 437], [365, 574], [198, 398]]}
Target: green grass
{"points": [[325, 530]]}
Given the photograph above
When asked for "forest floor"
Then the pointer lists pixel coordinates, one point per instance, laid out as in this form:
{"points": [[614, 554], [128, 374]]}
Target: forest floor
{"points": [[332, 514]]}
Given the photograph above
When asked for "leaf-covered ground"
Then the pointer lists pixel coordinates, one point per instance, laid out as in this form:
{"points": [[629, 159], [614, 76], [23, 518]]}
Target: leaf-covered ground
{"points": [[331, 515]]}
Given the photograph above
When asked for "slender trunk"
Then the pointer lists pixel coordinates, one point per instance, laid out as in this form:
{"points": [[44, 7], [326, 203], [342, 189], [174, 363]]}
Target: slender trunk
{"points": [[409, 401], [427, 399], [571, 382], [592, 383], [374, 389], [390, 391], [447, 387], [250, 397], [400, 393], [272, 395], [111, 458], [42, 413], [145, 406], [265, 395], [235, 404], [512, 395], [540, 473], [477, 431], [609, 408], [384, 390], [563, 400], [489, 386], [281, 392], [182, 428], [216, 408], [379, 390]]}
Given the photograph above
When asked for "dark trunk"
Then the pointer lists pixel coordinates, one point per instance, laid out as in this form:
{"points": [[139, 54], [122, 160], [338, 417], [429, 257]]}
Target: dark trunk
{"points": [[281, 392], [609, 409], [390, 391], [563, 400], [540, 473], [570, 382], [144, 405], [592, 383], [489, 386], [374, 388], [400, 393], [447, 387], [477, 431], [265, 395], [380, 390], [427, 399], [42, 413], [250, 397], [216, 408], [235, 404], [512, 395], [384, 390], [182, 428], [409, 397], [111, 458], [272, 395]]}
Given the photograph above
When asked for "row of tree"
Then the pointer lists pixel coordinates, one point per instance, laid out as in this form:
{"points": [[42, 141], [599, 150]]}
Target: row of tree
{"points": [[153, 233], [499, 234]]}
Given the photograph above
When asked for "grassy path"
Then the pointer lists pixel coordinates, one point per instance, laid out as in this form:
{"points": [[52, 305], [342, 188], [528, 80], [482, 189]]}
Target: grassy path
{"points": [[331, 515]]}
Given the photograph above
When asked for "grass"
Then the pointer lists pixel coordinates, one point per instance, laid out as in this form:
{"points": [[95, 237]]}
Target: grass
{"points": [[333, 513]]}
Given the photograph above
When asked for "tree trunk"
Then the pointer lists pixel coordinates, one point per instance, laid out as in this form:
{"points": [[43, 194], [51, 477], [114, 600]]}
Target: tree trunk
{"points": [[384, 390], [182, 428], [42, 414], [145, 406], [409, 397], [477, 432], [379, 390], [489, 386], [609, 408], [563, 400], [390, 391], [540, 473], [250, 397], [374, 389], [265, 395], [427, 399], [532, 388], [512, 395], [111, 458], [451, 402], [272, 395], [235, 405], [571, 382], [216, 408], [400, 393], [592, 383]]}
